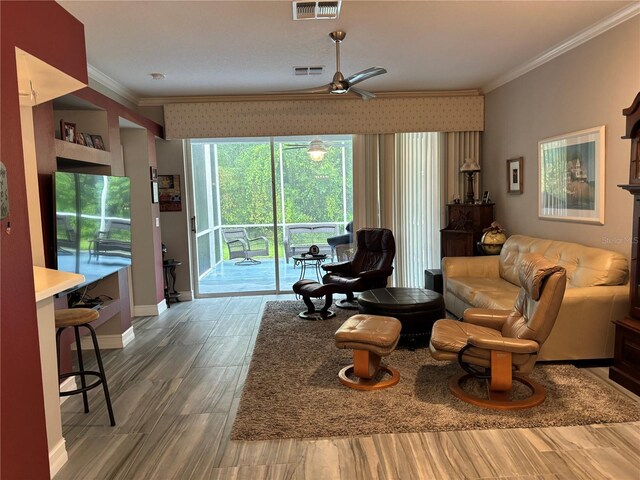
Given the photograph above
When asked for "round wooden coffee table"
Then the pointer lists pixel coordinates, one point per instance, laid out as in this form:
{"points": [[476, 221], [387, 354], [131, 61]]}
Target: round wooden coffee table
{"points": [[416, 308]]}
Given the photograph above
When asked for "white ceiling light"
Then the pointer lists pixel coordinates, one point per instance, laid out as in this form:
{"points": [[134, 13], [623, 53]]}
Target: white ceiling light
{"points": [[316, 150]]}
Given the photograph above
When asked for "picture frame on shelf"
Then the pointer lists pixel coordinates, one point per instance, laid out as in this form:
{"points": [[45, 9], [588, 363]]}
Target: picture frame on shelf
{"points": [[68, 131], [571, 180], [80, 139], [97, 142], [87, 140], [515, 184]]}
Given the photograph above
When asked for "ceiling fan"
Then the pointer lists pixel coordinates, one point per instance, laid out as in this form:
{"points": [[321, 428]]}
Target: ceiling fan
{"points": [[316, 149], [340, 85]]}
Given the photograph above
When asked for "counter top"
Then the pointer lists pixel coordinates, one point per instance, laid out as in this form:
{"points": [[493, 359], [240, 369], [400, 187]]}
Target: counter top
{"points": [[48, 282]]}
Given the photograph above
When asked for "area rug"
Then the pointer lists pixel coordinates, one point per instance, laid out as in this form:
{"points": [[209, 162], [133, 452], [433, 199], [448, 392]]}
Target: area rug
{"points": [[292, 390]]}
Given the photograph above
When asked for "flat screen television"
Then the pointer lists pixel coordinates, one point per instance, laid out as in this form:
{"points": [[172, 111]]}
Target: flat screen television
{"points": [[93, 223]]}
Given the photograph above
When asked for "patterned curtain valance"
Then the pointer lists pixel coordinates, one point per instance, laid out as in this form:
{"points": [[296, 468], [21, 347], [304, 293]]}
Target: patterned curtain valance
{"points": [[327, 116]]}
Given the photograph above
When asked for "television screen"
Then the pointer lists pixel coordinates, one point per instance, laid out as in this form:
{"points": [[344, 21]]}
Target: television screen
{"points": [[93, 223]]}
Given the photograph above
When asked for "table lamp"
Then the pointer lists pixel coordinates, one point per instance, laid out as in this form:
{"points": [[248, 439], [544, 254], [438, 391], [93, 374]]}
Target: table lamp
{"points": [[470, 167]]}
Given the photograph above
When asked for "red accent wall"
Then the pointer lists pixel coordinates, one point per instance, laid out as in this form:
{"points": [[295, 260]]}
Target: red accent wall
{"points": [[47, 31]]}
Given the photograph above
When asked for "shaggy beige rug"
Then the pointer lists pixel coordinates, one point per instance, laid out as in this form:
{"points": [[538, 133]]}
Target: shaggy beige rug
{"points": [[292, 390]]}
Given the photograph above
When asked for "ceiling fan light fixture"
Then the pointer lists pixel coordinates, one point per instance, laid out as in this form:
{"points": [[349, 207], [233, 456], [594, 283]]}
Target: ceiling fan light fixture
{"points": [[316, 151]]}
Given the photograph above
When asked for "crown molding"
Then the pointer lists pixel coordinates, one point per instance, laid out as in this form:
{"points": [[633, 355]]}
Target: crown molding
{"points": [[585, 35], [111, 84], [159, 101]]}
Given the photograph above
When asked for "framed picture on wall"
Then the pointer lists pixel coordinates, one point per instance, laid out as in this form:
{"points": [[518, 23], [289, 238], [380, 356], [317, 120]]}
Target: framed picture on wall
{"points": [[514, 175], [571, 177], [170, 195]]}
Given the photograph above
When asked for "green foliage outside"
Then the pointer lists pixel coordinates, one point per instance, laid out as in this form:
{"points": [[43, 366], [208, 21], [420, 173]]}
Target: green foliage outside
{"points": [[89, 189], [313, 191]]}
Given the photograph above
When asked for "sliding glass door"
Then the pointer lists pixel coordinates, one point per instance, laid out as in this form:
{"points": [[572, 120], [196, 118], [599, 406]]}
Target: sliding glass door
{"points": [[248, 195]]}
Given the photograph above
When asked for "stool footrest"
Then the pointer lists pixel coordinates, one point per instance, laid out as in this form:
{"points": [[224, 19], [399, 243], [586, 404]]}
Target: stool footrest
{"points": [[66, 393]]}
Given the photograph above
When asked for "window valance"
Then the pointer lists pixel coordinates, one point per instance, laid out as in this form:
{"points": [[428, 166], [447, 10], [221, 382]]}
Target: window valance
{"points": [[220, 119]]}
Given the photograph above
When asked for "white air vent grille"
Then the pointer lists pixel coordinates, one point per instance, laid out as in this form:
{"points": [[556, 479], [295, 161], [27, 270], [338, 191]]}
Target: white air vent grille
{"points": [[315, 70], [316, 10]]}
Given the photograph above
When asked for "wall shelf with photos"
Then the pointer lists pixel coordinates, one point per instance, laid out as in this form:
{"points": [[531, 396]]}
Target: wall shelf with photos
{"points": [[81, 153]]}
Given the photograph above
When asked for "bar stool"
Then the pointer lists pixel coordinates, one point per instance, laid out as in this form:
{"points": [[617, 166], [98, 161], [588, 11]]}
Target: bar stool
{"points": [[76, 318]]}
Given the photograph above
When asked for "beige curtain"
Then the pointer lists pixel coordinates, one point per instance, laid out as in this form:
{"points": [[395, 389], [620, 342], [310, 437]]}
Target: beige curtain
{"points": [[456, 147], [397, 185]]}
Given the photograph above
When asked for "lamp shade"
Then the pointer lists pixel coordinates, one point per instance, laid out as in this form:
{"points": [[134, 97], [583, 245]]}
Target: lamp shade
{"points": [[470, 165]]}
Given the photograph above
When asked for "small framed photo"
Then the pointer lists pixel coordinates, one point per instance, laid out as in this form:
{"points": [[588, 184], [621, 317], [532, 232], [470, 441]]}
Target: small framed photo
{"points": [[485, 197], [68, 131], [80, 138], [153, 172], [514, 176], [97, 142], [155, 192], [87, 140]]}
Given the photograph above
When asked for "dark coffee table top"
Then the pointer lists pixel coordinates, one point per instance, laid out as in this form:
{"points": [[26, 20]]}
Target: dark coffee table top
{"points": [[401, 298]]}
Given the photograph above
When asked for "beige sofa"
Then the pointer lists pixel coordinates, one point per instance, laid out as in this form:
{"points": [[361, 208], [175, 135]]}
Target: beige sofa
{"points": [[597, 292]]}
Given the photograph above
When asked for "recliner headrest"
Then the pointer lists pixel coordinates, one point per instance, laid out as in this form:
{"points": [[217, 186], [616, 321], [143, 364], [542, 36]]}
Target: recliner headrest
{"points": [[533, 272]]}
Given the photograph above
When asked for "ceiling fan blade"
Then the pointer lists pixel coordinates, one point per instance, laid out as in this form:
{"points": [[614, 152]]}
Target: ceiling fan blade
{"points": [[364, 75], [321, 89], [363, 93]]}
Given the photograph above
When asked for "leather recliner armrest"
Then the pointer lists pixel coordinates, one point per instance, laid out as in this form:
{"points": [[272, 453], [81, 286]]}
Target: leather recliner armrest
{"points": [[513, 345], [340, 267], [384, 272], [486, 317]]}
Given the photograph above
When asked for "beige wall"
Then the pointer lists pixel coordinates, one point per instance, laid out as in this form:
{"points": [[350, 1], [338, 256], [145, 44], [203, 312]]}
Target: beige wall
{"points": [[586, 87], [175, 225], [143, 262]]}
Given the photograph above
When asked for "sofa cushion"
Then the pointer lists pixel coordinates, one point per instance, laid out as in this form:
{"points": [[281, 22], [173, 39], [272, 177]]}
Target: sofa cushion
{"points": [[468, 288], [497, 300], [585, 266]]}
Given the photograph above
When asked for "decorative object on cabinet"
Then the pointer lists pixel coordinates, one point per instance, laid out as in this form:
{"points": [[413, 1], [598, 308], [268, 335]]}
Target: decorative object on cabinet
{"points": [[626, 356], [485, 197], [465, 228], [170, 196], [68, 131], [571, 177], [470, 167], [97, 142], [492, 239], [514, 176]]}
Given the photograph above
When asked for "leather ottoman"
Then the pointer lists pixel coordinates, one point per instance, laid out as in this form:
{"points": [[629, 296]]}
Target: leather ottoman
{"points": [[416, 308]]}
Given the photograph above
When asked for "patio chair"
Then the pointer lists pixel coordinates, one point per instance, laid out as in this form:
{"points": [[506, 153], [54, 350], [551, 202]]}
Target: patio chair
{"points": [[241, 246]]}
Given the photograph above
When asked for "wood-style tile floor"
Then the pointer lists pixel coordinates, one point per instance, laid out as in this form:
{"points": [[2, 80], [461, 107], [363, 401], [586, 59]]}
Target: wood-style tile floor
{"points": [[176, 388]]}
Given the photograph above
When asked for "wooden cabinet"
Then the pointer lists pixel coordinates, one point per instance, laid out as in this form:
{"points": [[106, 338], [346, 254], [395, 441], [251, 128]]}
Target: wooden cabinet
{"points": [[464, 228], [626, 363]]}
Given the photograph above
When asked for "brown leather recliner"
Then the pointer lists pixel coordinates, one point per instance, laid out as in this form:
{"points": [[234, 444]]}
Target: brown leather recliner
{"points": [[369, 268], [503, 345]]}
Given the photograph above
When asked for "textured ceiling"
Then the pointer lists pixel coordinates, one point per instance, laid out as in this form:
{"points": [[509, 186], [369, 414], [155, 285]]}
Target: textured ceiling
{"points": [[250, 47]]}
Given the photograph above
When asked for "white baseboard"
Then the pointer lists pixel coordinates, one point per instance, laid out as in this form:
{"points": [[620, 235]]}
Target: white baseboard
{"points": [[149, 310], [68, 385], [57, 457], [106, 342], [186, 295]]}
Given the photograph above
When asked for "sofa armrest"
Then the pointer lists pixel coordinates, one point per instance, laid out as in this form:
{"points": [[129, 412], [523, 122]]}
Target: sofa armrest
{"points": [[488, 266], [486, 317], [513, 345]]}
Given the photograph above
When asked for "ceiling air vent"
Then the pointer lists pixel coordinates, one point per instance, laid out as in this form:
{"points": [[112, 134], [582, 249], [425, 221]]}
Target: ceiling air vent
{"points": [[316, 10], [316, 70]]}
